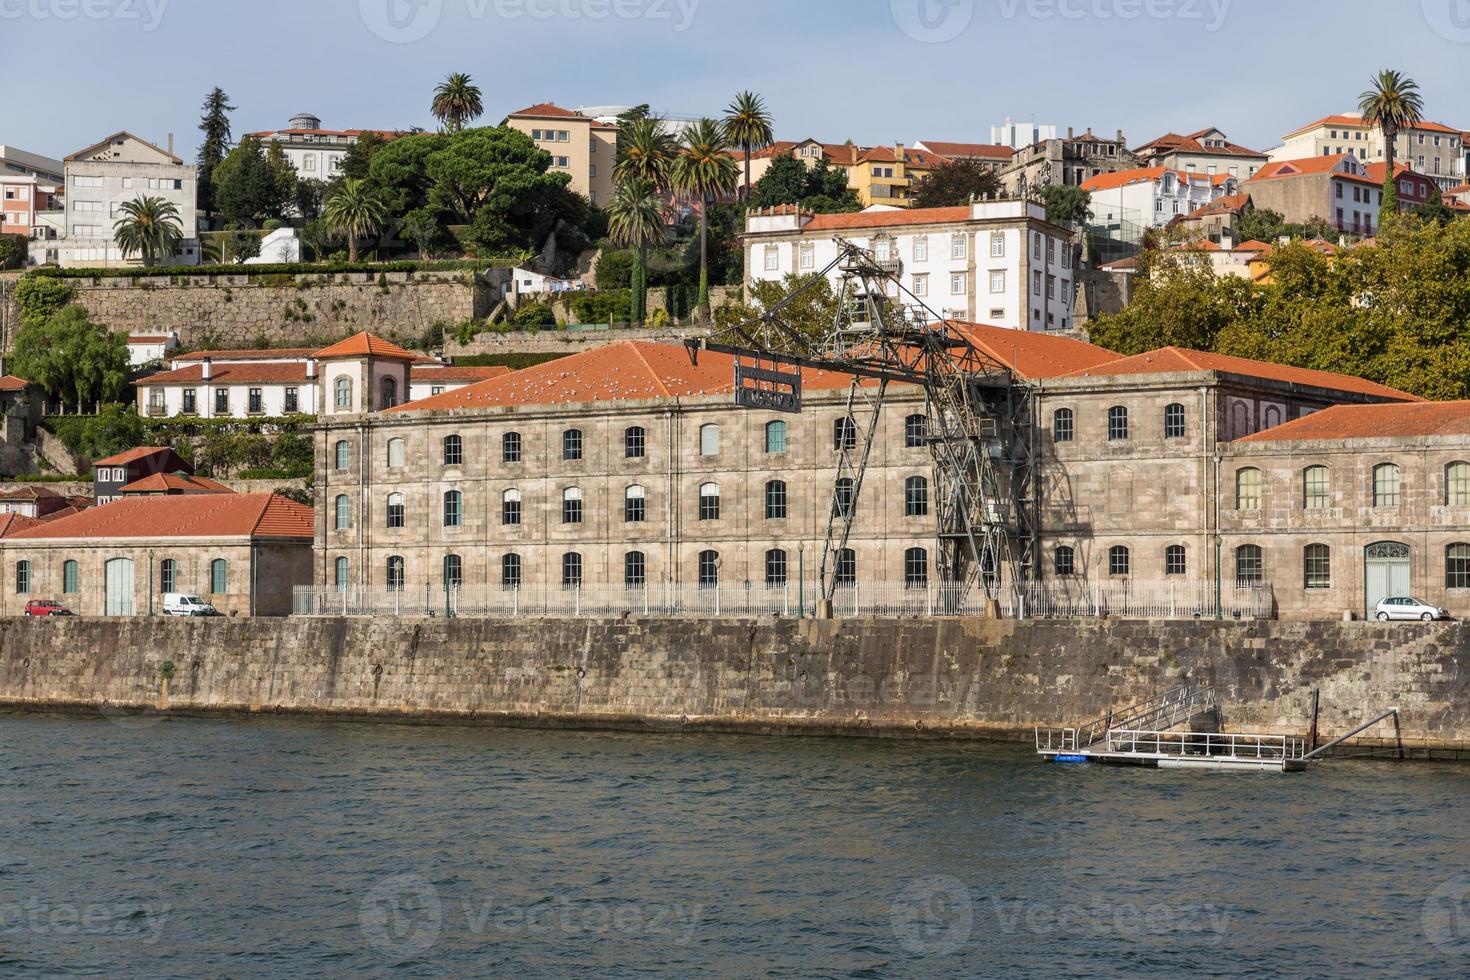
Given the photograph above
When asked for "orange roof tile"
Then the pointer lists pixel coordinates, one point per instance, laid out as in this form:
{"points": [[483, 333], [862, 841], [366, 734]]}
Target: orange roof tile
{"points": [[1254, 245], [1122, 178], [132, 455], [1358, 123], [366, 344], [1306, 165], [280, 353], [1191, 143], [544, 109], [1373, 421], [883, 219], [1181, 360], [11, 383], [230, 374], [449, 372], [987, 151], [15, 523], [28, 493], [209, 515], [176, 483], [628, 370], [1229, 204], [1031, 355]]}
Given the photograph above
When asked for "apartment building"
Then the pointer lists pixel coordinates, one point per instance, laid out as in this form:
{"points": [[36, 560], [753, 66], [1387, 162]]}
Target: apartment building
{"points": [[1206, 151], [22, 199], [1431, 148], [889, 174], [1071, 161], [1151, 197], [991, 156], [15, 162], [995, 262], [581, 146], [315, 152], [1335, 189]]}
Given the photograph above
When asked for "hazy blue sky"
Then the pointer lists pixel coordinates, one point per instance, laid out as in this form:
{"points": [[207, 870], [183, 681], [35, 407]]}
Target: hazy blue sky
{"points": [[869, 70]]}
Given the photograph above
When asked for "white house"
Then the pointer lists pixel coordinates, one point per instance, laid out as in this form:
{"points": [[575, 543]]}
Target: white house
{"points": [[147, 348], [996, 262], [281, 245], [315, 152], [1151, 197]]}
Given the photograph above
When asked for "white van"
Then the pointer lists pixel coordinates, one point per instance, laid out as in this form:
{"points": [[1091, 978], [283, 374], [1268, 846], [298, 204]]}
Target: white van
{"points": [[186, 604]]}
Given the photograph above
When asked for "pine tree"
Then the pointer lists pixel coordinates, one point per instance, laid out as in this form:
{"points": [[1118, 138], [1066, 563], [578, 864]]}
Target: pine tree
{"points": [[215, 125]]}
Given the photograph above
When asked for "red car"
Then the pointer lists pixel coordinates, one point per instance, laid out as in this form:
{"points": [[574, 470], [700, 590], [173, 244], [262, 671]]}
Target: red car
{"points": [[46, 607]]}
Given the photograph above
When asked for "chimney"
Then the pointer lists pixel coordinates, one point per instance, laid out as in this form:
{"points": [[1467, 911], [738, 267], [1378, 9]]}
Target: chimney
{"points": [[208, 368], [1120, 137], [311, 369], [898, 152], [170, 144], [1069, 132]]}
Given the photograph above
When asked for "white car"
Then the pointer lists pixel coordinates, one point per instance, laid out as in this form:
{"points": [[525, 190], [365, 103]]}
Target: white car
{"points": [[185, 604], [1405, 607]]}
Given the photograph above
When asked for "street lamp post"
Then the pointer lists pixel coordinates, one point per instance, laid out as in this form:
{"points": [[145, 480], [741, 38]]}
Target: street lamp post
{"points": [[801, 580]]}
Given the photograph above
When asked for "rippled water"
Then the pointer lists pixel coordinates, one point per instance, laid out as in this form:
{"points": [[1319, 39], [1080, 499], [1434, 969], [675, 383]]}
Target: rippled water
{"points": [[278, 847]]}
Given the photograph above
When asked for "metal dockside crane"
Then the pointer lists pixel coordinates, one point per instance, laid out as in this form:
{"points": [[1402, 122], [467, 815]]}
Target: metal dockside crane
{"points": [[979, 420]]}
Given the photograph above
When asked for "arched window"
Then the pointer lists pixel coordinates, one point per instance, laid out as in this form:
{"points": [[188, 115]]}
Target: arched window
{"points": [[709, 502], [1062, 425], [344, 454], [634, 442], [1317, 566], [635, 570], [1174, 421], [341, 512], [340, 570], [219, 576], [343, 388], [1457, 484], [1064, 560], [844, 434], [635, 504], [453, 451], [453, 571], [776, 567], [1175, 560], [916, 497], [395, 454], [395, 510], [844, 569], [1248, 488], [775, 500], [844, 497], [453, 508], [571, 570], [1240, 420], [71, 574], [571, 505], [510, 507], [1117, 423], [510, 571], [1118, 560], [915, 432], [1386, 485], [168, 575], [709, 569], [1457, 566], [1316, 490], [916, 568], [395, 573], [776, 436], [510, 447], [709, 439], [571, 444], [389, 396], [1250, 566]]}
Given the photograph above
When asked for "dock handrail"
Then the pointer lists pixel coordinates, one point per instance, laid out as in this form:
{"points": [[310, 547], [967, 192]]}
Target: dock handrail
{"points": [[1158, 713], [1227, 745], [1391, 712]]}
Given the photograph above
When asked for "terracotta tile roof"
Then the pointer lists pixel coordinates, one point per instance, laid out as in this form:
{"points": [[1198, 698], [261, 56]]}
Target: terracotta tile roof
{"points": [[986, 151], [387, 134], [1034, 355], [841, 154], [1138, 175], [1358, 123], [174, 483], [1230, 204], [884, 219], [1191, 143], [624, 371], [145, 338], [1181, 360], [208, 515], [1306, 165], [366, 344], [68, 511], [1254, 245], [1373, 421], [132, 455], [28, 493], [15, 523], [448, 372], [546, 109], [1378, 171], [889, 154], [280, 353], [1462, 188], [11, 383], [230, 374]]}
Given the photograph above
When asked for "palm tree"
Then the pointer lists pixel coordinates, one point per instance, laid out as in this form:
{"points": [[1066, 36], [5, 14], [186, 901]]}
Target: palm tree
{"points": [[356, 212], [704, 169], [1392, 104], [635, 220], [456, 102], [748, 126], [648, 152], [150, 227]]}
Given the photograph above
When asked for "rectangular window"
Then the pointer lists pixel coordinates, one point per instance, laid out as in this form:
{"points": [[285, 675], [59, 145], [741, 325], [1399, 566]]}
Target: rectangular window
{"points": [[293, 402], [1051, 287], [1036, 283], [191, 401], [959, 247], [772, 258], [958, 284], [1036, 245], [222, 401], [808, 257], [997, 245], [1317, 567], [997, 280], [921, 248], [256, 402], [921, 285]]}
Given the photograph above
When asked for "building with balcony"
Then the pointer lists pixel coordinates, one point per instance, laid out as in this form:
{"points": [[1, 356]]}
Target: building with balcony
{"points": [[1071, 161], [1153, 196], [1431, 148], [1335, 189]]}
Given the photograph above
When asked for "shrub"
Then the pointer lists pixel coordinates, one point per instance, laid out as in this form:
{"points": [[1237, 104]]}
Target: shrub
{"points": [[338, 266], [608, 307], [13, 251], [615, 269], [658, 318], [533, 315]]}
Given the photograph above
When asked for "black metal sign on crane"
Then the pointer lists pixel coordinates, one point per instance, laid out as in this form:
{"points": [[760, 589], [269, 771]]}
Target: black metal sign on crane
{"points": [[767, 388]]}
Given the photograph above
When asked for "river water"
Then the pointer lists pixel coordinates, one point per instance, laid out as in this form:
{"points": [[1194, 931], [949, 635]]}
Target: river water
{"points": [[270, 848]]}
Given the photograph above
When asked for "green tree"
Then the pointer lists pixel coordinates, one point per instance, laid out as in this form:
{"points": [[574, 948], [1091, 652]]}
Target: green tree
{"points": [[811, 314], [500, 184], [955, 182], [1435, 209], [150, 227], [426, 231], [40, 297], [704, 170], [76, 361], [310, 193], [1066, 204], [248, 188], [821, 189], [354, 212], [286, 181], [624, 118], [13, 250], [215, 125], [636, 221], [456, 102], [358, 160], [1393, 104], [645, 151], [748, 126]]}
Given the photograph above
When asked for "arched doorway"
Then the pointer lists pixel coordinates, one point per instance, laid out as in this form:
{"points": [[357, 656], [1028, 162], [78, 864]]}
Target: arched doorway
{"points": [[118, 576], [1386, 572]]}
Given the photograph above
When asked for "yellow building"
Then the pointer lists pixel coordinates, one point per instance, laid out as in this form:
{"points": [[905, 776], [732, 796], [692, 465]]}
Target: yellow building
{"points": [[579, 145], [889, 174]]}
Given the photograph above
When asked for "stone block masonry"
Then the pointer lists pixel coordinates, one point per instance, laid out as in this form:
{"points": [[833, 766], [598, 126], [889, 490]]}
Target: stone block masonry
{"points": [[898, 678]]}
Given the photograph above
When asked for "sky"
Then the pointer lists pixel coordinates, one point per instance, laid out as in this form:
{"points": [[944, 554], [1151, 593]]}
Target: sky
{"points": [[873, 71]]}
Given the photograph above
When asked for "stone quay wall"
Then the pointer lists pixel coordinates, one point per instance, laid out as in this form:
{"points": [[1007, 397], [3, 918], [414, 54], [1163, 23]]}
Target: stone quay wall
{"points": [[953, 678]]}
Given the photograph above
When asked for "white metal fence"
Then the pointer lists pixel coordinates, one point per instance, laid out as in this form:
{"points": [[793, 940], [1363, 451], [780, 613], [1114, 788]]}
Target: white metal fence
{"points": [[1131, 599]]}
